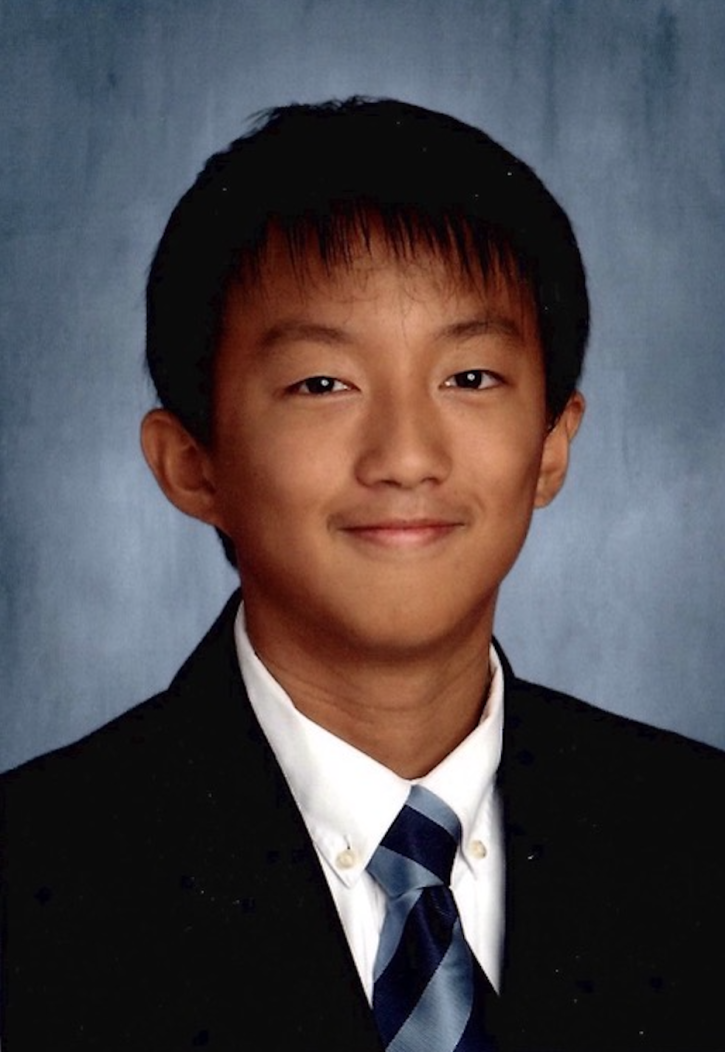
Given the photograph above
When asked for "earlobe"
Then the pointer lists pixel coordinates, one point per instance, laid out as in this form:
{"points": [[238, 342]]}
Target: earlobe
{"points": [[555, 457], [180, 464]]}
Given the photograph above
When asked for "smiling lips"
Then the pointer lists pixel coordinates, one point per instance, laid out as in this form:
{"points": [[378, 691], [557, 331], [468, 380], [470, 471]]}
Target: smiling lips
{"points": [[403, 533]]}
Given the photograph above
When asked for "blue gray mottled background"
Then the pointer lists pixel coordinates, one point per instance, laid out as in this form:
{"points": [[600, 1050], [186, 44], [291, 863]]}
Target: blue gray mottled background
{"points": [[107, 110]]}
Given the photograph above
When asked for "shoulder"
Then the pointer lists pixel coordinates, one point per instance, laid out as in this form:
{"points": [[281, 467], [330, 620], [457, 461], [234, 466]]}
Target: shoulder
{"points": [[67, 803], [209, 673], [614, 873], [118, 741], [127, 766], [586, 768], [580, 729]]}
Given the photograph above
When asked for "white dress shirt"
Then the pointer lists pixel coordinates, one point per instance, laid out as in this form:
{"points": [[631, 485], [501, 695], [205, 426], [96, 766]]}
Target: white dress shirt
{"points": [[348, 801]]}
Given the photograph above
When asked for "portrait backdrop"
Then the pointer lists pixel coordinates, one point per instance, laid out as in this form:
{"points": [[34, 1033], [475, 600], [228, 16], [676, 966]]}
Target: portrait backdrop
{"points": [[110, 107]]}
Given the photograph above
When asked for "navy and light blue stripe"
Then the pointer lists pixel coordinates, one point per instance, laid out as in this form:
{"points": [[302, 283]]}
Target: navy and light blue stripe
{"points": [[429, 992]]}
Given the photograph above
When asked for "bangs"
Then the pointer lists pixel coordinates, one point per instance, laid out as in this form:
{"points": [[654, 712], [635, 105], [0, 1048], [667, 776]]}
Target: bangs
{"points": [[473, 253]]}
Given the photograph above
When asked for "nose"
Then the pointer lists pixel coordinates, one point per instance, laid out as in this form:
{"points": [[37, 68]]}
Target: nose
{"points": [[404, 442]]}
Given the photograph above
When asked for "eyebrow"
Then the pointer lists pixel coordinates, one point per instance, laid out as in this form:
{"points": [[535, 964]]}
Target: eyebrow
{"points": [[497, 325], [293, 330]]}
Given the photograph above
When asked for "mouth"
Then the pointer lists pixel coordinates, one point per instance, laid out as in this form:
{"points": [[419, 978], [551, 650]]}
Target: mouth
{"points": [[402, 534]]}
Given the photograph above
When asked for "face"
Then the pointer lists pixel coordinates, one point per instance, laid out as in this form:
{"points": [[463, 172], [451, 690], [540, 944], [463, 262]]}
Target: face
{"points": [[377, 451]]}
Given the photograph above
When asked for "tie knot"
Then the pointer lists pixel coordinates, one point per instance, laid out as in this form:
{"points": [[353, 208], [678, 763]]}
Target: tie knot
{"points": [[419, 847]]}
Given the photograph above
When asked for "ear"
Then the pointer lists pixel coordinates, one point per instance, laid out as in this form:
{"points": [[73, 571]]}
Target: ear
{"points": [[555, 456], [180, 464]]}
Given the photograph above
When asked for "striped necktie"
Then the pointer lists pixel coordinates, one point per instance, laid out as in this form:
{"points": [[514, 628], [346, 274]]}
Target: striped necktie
{"points": [[430, 994]]}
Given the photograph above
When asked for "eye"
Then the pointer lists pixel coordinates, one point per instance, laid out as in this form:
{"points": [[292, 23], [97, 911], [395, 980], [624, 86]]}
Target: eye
{"points": [[473, 380], [319, 385]]}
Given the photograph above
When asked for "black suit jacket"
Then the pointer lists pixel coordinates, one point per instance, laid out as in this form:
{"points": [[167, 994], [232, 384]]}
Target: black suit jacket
{"points": [[161, 890]]}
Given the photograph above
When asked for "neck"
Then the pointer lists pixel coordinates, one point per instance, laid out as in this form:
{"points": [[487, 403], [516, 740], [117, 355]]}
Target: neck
{"points": [[408, 714]]}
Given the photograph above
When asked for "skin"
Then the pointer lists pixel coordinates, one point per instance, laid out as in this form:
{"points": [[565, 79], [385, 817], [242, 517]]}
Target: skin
{"points": [[380, 442]]}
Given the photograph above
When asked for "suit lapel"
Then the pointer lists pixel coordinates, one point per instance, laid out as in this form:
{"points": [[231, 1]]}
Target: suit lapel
{"points": [[254, 875], [556, 925]]}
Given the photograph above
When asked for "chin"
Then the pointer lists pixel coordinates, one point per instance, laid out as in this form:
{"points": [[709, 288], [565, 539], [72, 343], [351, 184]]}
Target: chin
{"points": [[395, 634]]}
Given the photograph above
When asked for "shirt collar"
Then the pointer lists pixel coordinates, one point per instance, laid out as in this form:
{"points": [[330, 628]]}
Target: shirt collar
{"points": [[347, 799]]}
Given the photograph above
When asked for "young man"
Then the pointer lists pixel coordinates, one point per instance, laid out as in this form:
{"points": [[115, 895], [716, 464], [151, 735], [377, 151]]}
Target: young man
{"points": [[366, 323]]}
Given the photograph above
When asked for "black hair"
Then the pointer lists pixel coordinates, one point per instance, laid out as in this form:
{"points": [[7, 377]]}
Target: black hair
{"points": [[325, 175]]}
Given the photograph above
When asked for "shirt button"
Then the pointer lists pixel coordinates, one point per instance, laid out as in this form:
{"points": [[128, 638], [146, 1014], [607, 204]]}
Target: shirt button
{"points": [[346, 859], [478, 849]]}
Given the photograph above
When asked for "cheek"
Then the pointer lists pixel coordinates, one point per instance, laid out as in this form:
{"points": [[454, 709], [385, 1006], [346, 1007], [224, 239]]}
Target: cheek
{"points": [[505, 462], [272, 479]]}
